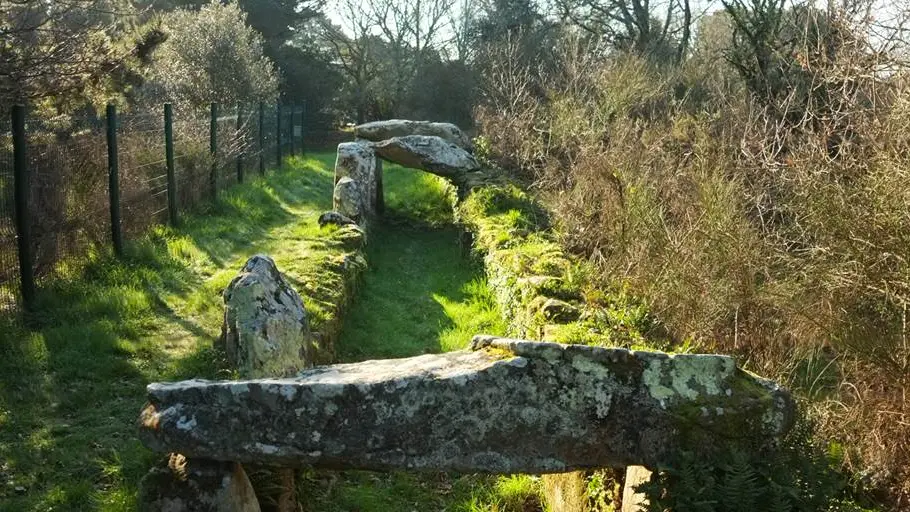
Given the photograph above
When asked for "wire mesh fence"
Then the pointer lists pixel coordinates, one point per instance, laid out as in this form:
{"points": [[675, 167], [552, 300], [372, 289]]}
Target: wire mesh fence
{"points": [[142, 172], [68, 178], [68, 189], [9, 263]]}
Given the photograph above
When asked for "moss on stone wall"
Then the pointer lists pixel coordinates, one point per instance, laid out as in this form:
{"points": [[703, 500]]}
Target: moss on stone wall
{"points": [[544, 293], [328, 284]]}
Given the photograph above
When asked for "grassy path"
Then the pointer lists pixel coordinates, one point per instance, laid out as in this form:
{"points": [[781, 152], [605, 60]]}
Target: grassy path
{"points": [[71, 387], [421, 295]]}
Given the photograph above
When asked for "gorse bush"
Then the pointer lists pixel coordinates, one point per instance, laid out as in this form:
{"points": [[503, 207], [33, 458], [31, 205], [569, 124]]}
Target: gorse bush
{"points": [[770, 221]]}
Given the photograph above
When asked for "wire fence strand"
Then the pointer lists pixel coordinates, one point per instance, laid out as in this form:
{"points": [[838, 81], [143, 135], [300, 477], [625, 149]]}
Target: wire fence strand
{"points": [[69, 201]]}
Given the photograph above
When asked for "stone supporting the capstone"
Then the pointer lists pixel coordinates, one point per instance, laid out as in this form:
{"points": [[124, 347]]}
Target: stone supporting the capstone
{"points": [[506, 406], [358, 162], [188, 485]]}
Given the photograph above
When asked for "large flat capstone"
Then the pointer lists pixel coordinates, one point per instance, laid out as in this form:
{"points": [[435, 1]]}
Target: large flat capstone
{"points": [[381, 130], [432, 154], [505, 406]]}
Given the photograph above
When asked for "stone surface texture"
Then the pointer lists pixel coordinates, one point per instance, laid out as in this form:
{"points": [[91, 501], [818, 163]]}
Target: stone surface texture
{"points": [[182, 485], [357, 161], [505, 406], [431, 154], [333, 217], [383, 130], [266, 330], [347, 199]]}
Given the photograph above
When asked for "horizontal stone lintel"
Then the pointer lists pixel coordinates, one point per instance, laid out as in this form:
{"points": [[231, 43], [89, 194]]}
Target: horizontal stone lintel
{"points": [[505, 406]]}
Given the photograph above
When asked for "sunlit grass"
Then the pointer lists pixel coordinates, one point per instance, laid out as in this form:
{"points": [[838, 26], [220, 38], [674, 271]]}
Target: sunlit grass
{"points": [[72, 386], [421, 295]]}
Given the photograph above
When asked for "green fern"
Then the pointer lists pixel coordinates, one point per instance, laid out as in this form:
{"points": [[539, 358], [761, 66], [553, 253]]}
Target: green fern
{"points": [[796, 476]]}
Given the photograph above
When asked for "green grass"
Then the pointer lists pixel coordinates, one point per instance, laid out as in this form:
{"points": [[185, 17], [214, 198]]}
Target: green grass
{"points": [[71, 386], [421, 295]]}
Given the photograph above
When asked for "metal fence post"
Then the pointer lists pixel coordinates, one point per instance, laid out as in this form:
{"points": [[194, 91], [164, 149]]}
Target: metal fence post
{"points": [[291, 130], [213, 148], [113, 180], [302, 126], [278, 135], [169, 161], [241, 143], [261, 137], [22, 187]]}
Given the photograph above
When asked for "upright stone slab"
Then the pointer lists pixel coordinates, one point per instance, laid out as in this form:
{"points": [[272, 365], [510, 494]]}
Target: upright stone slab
{"points": [[382, 130], [347, 199], [358, 161], [506, 406], [266, 330]]}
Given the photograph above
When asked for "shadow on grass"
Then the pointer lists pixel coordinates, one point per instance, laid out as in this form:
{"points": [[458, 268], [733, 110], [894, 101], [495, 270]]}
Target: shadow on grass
{"points": [[420, 295], [71, 386]]}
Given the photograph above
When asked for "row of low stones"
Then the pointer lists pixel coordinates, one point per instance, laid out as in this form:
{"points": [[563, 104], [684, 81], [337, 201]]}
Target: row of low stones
{"points": [[504, 406], [266, 331]]}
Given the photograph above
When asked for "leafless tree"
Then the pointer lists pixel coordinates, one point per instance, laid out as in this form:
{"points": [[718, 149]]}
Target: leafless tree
{"points": [[645, 27]]}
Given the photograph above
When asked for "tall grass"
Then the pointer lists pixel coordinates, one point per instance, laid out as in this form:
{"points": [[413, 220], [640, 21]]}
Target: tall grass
{"points": [[781, 238]]}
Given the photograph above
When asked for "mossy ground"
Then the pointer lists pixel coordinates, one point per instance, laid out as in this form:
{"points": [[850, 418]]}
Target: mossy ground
{"points": [[72, 384]]}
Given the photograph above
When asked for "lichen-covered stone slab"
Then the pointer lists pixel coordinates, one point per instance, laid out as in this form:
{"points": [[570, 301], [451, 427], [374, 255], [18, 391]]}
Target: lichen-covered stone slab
{"points": [[382, 130], [358, 161], [506, 406], [266, 329], [431, 154], [347, 199]]}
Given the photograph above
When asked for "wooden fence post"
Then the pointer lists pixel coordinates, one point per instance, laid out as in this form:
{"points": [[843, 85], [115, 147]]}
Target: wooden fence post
{"points": [[169, 161], [113, 180], [278, 135], [22, 187], [291, 131], [302, 128], [241, 141], [213, 148], [261, 137]]}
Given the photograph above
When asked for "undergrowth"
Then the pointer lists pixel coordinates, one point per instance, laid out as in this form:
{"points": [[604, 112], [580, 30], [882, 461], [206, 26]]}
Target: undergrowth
{"points": [[773, 227]]}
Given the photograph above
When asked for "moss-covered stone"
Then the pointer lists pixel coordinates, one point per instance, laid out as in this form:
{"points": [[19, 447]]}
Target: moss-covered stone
{"points": [[506, 406]]}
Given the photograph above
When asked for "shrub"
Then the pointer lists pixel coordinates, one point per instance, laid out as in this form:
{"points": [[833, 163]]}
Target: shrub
{"points": [[746, 229]]}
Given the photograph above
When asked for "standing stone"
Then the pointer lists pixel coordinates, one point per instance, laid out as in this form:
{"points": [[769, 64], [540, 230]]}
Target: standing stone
{"points": [[359, 162], [347, 199], [382, 130], [265, 332], [196, 485]]}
